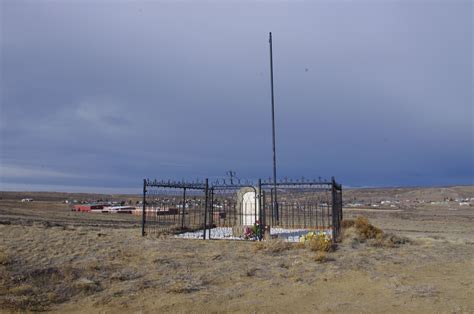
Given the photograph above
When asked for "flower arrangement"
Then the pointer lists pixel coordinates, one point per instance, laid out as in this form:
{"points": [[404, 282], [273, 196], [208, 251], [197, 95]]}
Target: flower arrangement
{"points": [[254, 232]]}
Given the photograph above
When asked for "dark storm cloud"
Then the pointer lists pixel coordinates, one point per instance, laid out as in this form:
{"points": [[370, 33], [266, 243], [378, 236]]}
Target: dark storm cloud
{"points": [[105, 93]]}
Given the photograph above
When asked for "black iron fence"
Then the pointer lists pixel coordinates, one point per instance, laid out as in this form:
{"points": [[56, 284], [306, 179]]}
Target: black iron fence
{"points": [[170, 207], [237, 210]]}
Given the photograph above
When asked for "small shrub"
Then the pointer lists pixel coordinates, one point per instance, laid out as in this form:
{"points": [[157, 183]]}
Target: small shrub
{"points": [[319, 244], [363, 231], [367, 230], [347, 223], [317, 241]]}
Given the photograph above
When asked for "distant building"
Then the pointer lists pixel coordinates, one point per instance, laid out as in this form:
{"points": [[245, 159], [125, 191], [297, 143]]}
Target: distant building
{"points": [[86, 207]]}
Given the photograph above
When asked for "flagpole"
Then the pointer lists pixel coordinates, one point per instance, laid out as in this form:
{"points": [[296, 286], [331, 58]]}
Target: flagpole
{"points": [[275, 201]]}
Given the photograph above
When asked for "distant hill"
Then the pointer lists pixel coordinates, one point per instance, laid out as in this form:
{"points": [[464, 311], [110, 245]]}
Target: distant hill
{"points": [[350, 194], [62, 196]]}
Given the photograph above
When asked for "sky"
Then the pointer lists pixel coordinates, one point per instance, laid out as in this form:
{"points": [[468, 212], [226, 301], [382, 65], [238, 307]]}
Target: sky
{"points": [[97, 95]]}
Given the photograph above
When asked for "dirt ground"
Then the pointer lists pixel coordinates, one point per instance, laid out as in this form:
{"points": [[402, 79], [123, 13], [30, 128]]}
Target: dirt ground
{"points": [[56, 260]]}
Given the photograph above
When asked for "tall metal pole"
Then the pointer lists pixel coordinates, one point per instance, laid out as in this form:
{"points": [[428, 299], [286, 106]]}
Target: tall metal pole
{"points": [[275, 201]]}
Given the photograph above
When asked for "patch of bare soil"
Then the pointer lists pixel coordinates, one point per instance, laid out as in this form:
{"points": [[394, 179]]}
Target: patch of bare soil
{"points": [[56, 260]]}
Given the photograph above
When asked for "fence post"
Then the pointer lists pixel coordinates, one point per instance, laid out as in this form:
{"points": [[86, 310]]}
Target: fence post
{"points": [[339, 222], [184, 208], [340, 191], [205, 208], [211, 211], [333, 192], [144, 208], [273, 209]]}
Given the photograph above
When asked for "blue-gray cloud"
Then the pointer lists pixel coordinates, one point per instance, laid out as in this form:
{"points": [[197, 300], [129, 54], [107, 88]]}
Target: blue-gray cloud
{"points": [[106, 93]]}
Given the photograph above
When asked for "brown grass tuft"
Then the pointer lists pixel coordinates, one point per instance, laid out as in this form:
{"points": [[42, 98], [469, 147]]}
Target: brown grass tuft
{"points": [[349, 233], [5, 259], [259, 246], [24, 289], [182, 287], [272, 246], [321, 257], [250, 272], [86, 285], [388, 240], [299, 245], [53, 297]]}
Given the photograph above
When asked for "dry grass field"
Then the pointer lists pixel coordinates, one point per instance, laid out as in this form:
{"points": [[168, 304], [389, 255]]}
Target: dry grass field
{"points": [[52, 259]]}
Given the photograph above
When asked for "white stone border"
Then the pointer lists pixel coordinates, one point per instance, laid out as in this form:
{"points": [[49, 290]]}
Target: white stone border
{"points": [[290, 235]]}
